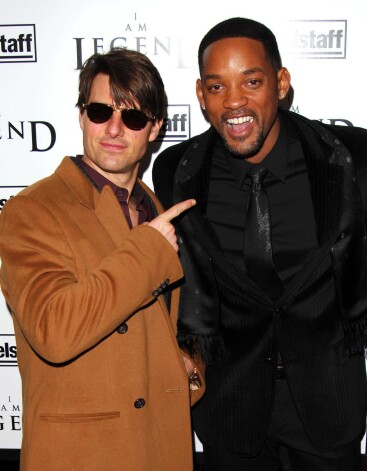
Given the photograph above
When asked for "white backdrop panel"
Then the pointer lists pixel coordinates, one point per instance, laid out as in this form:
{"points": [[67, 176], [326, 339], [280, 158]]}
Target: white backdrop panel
{"points": [[42, 44]]}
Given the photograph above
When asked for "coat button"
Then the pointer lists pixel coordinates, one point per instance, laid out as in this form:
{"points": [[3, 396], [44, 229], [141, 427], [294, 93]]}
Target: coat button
{"points": [[139, 403], [165, 283], [122, 329]]}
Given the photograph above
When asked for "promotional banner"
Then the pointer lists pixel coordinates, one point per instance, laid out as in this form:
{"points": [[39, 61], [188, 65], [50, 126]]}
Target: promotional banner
{"points": [[43, 45]]}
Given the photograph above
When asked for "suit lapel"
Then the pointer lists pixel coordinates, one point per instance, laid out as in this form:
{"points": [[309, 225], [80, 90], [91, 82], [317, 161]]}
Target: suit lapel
{"points": [[193, 182], [334, 194], [326, 182]]}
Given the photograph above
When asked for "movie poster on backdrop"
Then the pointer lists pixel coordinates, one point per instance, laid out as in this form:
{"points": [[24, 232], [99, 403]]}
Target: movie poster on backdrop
{"points": [[43, 45]]}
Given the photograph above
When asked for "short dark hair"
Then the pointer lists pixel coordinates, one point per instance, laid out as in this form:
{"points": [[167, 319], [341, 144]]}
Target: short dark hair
{"points": [[133, 78], [243, 28]]}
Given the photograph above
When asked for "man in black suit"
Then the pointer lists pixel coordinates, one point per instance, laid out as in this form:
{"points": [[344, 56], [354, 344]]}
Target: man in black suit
{"points": [[274, 253]]}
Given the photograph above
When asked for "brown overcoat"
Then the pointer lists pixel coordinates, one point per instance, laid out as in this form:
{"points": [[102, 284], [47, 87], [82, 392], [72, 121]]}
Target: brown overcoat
{"points": [[103, 381]]}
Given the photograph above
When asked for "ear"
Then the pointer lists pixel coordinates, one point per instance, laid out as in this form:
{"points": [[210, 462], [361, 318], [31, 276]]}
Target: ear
{"points": [[81, 121], [199, 93], [155, 129], [284, 82]]}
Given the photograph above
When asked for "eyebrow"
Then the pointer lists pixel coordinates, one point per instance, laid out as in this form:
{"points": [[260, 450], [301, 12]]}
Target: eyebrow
{"points": [[245, 72]]}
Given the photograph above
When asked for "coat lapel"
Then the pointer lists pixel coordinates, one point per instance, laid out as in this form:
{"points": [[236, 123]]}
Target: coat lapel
{"points": [[104, 204], [109, 213]]}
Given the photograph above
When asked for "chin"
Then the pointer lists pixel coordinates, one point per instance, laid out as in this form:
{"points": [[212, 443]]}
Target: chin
{"points": [[243, 151]]}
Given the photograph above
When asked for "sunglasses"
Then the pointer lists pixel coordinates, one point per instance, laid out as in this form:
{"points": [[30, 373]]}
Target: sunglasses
{"points": [[133, 119]]}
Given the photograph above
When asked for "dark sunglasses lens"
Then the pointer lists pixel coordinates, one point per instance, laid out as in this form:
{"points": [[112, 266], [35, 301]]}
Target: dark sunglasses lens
{"points": [[99, 113], [134, 119]]}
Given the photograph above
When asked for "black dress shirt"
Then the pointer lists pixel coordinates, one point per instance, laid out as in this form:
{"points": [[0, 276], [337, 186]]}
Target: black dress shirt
{"points": [[287, 186]]}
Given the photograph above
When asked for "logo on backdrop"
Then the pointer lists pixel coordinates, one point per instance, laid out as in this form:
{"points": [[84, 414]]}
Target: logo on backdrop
{"points": [[8, 192], [176, 126], [320, 39], [8, 350], [135, 34], [335, 121], [41, 135], [18, 43], [10, 414]]}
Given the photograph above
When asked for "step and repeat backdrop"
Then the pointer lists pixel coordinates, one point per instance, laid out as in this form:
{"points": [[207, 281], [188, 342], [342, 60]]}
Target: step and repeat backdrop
{"points": [[43, 44]]}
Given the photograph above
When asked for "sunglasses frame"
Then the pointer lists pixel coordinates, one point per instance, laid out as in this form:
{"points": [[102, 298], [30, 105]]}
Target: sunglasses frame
{"points": [[123, 112]]}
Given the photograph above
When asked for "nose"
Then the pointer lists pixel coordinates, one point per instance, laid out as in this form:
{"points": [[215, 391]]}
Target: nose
{"points": [[114, 125], [235, 98]]}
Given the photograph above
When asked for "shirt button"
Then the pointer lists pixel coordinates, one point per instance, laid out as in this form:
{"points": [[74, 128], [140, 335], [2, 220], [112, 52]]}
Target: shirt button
{"points": [[122, 329], [139, 403]]}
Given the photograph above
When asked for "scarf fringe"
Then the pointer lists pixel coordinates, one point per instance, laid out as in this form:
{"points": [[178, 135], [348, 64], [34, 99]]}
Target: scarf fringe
{"points": [[355, 337], [210, 348]]}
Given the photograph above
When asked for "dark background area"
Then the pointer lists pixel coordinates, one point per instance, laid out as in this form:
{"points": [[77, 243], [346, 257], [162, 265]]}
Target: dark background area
{"points": [[9, 461]]}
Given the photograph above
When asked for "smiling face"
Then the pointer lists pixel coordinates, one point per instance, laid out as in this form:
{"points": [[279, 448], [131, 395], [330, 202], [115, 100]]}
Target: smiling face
{"points": [[111, 148], [240, 90]]}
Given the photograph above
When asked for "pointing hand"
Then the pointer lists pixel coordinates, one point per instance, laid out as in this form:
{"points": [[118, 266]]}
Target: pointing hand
{"points": [[163, 222]]}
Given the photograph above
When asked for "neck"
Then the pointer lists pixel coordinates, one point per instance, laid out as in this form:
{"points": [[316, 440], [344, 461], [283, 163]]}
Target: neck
{"points": [[126, 179]]}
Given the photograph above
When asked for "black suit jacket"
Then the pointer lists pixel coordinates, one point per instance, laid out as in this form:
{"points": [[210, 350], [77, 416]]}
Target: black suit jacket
{"points": [[319, 324]]}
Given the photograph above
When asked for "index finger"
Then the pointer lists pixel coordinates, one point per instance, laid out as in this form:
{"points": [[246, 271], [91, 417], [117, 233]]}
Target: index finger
{"points": [[177, 209]]}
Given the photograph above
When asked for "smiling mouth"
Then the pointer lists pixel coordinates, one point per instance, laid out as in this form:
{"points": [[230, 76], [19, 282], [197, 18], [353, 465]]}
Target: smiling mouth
{"points": [[112, 145], [242, 120]]}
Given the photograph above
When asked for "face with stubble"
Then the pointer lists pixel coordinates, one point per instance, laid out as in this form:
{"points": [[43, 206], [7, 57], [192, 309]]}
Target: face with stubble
{"points": [[111, 148], [240, 91]]}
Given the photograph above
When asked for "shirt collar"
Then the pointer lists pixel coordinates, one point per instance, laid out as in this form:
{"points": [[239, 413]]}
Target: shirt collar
{"points": [[100, 181]]}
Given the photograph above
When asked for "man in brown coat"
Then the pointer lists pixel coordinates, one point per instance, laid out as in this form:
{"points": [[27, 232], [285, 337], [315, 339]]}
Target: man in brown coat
{"points": [[87, 265]]}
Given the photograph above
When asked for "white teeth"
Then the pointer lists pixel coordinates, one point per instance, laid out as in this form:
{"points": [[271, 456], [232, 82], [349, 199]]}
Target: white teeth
{"points": [[244, 119]]}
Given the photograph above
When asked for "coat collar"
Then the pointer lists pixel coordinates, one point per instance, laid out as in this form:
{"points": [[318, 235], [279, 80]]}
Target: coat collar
{"points": [[103, 203]]}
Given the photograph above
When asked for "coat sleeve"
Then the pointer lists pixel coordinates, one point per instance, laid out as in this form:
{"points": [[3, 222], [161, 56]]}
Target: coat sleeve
{"points": [[60, 313], [195, 394]]}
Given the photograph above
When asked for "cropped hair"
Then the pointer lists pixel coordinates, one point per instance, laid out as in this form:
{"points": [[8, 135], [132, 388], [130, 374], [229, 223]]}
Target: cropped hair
{"points": [[134, 80], [243, 28]]}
